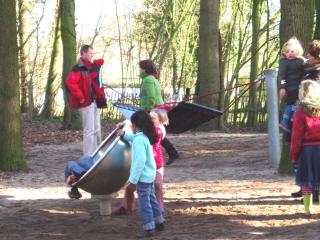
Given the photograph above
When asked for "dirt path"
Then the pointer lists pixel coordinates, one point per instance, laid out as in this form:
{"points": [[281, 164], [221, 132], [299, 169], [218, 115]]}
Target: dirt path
{"points": [[223, 187]]}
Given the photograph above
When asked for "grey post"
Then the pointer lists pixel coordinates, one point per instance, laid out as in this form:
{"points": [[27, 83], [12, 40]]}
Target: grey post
{"points": [[273, 115]]}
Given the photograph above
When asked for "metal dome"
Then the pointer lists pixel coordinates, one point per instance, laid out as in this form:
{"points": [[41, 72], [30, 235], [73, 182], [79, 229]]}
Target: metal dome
{"points": [[111, 167]]}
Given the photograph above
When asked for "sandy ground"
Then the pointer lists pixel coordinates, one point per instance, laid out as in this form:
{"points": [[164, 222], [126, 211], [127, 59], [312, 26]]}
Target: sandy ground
{"points": [[222, 187]]}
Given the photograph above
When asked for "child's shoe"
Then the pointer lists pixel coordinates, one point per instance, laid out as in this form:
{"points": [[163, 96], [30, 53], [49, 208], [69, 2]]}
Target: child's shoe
{"points": [[145, 234], [284, 128], [74, 193], [119, 211], [307, 201], [159, 227], [297, 194]]}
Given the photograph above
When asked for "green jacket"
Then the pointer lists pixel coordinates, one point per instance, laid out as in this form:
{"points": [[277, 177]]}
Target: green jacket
{"points": [[150, 92]]}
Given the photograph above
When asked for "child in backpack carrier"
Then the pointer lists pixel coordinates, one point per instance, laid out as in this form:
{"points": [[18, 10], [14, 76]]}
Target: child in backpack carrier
{"points": [[290, 75]]}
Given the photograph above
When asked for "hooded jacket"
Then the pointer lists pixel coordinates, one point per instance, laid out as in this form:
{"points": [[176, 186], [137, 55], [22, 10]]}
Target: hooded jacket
{"points": [[82, 85]]}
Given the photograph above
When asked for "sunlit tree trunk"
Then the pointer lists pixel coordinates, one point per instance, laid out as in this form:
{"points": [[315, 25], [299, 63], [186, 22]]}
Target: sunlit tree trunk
{"points": [[11, 147], [295, 16], [49, 104], [68, 36], [317, 28], [22, 41], [209, 69], [252, 106]]}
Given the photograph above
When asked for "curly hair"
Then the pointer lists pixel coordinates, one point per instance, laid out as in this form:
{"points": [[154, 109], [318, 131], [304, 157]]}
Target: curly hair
{"points": [[309, 93], [149, 67], [143, 122], [314, 48], [293, 43], [162, 115]]}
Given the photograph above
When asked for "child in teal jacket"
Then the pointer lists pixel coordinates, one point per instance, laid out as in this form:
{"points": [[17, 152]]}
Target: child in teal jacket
{"points": [[143, 171]]}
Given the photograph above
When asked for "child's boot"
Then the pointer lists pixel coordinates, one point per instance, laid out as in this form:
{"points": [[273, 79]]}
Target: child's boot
{"points": [[170, 149], [307, 201]]}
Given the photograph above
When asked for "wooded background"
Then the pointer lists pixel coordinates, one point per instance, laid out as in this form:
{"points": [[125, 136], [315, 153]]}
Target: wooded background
{"points": [[212, 51]]}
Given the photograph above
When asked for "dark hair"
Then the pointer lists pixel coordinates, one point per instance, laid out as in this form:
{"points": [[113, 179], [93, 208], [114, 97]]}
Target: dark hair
{"points": [[149, 67], [85, 48], [314, 48], [143, 121]]}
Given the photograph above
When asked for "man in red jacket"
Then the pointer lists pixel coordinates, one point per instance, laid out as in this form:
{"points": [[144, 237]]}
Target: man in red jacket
{"points": [[84, 92]]}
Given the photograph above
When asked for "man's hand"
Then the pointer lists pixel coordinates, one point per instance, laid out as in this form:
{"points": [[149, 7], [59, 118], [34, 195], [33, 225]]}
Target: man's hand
{"points": [[81, 101]]}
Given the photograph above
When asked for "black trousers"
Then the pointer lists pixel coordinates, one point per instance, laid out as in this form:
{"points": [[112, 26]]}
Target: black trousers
{"points": [[168, 146]]}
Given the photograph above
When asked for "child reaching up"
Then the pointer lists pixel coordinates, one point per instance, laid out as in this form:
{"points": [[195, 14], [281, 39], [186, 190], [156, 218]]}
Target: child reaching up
{"points": [[143, 171], [290, 75], [305, 141], [160, 119]]}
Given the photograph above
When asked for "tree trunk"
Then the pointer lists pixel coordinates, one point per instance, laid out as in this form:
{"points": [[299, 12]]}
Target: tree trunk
{"points": [[48, 106], [22, 41], [68, 35], [11, 147], [254, 68], [209, 69], [295, 16], [317, 28]]}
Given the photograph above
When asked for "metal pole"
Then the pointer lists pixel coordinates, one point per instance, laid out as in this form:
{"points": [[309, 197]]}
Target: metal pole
{"points": [[273, 115]]}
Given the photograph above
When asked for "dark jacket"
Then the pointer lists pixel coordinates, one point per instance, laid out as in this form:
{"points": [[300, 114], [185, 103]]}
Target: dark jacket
{"points": [[82, 85], [312, 72], [290, 74]]}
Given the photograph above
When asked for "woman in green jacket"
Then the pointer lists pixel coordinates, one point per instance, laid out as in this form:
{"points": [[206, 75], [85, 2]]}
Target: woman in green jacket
{"points": [[150, 97]]}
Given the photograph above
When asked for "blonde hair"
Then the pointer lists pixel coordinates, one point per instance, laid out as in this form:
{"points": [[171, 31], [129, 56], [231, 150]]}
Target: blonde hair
{"points": [[162, 115], [309, 93], [293, 43]]}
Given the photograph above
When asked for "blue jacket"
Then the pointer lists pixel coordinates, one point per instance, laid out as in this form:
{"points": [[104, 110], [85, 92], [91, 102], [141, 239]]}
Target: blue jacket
{"points": [[143, 165]]}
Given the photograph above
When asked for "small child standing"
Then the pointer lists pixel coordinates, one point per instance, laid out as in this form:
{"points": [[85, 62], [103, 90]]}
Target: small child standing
{"points": [[143, 172], [305, 141], [290, 75], [160, 119]]}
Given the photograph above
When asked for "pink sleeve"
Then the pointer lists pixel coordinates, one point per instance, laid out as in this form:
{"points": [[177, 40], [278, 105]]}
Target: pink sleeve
{"points": [[297, 134]]}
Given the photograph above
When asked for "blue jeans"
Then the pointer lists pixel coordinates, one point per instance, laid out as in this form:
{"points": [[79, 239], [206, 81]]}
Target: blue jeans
{"points": [[78, 167], [150, 212], [287, 116]]}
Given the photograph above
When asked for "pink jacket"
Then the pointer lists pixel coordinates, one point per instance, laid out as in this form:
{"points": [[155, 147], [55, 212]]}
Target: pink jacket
{"points": [[157, 149]]}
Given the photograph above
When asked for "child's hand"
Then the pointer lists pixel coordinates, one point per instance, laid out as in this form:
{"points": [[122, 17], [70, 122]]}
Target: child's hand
{"points": [[132, 187], [295, 167], [120, 125], [282, 93], [120, 133]]}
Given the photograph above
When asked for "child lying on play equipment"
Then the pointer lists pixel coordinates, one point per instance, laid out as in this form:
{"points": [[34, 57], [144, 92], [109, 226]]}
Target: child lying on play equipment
{"points": [[74, 170]]}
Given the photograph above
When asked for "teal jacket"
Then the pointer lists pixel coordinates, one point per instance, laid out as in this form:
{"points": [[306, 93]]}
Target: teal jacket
{"points": [[143, 165], [150, 92]]}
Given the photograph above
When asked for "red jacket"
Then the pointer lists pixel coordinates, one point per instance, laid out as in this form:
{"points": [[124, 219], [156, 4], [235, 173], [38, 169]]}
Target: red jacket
{"points": [[81, 84], [305, 132]]}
